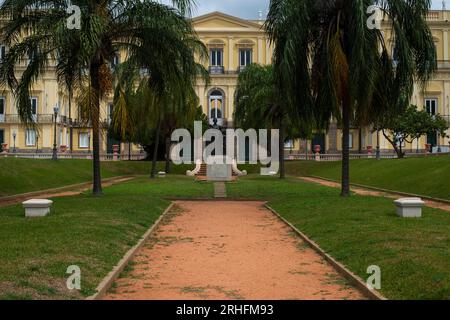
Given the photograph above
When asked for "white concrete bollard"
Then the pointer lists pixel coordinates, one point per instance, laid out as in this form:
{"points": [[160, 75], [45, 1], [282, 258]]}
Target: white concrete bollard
{"points": [[37, 207], [409, 207]]}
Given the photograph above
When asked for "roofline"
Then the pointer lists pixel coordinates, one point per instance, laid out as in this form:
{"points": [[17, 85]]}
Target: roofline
{"points": [[227, 16]]}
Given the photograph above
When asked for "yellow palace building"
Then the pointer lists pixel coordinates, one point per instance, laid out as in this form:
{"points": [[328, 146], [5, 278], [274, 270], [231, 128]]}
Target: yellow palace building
{"points": [[233, 43]]}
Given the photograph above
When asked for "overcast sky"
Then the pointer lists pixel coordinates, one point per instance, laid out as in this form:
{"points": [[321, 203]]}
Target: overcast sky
{"points": [[248, 9]]}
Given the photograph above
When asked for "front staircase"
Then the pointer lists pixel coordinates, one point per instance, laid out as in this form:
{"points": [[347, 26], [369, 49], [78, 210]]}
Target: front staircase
{"points": [[200, 170]]}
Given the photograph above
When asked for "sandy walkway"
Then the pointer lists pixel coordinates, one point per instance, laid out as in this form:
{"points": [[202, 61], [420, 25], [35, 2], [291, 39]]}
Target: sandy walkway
{"points": [[228, 250], [369, 192]]}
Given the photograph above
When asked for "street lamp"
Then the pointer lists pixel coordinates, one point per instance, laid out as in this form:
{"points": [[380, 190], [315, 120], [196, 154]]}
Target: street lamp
{"points": [[55, 151], [14, 139]]}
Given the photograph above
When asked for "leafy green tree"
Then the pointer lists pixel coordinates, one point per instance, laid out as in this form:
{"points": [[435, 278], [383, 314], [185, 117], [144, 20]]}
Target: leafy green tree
{"points": [[259, 105], [153, 34], [408, 126], [330, 63]]}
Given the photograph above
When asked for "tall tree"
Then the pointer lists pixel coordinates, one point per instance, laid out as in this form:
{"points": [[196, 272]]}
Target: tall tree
{"points": [[259, 105], [410, 125], [331, 63], [144, 29]]}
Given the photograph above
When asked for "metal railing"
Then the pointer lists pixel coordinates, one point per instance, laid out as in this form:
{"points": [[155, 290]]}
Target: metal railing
{"points": [[338, 157], [68, 155], [39, 118], [216, 70]]}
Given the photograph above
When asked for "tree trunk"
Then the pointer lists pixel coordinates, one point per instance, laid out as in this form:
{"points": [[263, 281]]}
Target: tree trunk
{"points": [[155, 150], [281, 150], [70, 122], [345, 182], [168, 145], [393, 143], [95, 119]]}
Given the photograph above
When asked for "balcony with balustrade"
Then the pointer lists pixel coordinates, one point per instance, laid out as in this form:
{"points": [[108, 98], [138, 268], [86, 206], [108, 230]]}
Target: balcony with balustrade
{"points": [[39, 119]]}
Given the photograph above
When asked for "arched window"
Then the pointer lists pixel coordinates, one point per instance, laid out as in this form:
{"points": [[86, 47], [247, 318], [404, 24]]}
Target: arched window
{"points": [[216, 107]]}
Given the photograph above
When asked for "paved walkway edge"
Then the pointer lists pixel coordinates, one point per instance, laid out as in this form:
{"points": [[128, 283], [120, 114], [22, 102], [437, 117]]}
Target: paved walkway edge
{"points": [[61, 189], [340, 268], [220, 190], [392, 192], [107, 282]]}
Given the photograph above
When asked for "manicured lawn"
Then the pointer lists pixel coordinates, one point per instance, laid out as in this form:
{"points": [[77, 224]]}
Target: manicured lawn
{"points": [[93, 233], [413, 254], [27, 175], [428, 176]]}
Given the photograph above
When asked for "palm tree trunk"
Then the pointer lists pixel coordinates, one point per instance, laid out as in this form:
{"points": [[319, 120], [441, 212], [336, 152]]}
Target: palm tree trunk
{"points": [[70, 122], [95, 118], [155, 150], [168, 145], [281, 150], [345, 182]]}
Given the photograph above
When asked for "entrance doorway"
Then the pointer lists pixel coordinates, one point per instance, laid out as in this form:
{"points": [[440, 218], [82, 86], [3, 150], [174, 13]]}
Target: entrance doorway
{"points": [[216, 109]]}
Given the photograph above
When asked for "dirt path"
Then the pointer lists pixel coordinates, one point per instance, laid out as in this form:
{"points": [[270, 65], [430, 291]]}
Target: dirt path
{"points": [[60, 192], [369, 192], [228, 250]]}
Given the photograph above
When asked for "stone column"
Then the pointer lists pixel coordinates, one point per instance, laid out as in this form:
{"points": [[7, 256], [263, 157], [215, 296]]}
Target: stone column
{"points": [[268, 60], [231, 65], [260, 48], [445, 43], [332, 137]]}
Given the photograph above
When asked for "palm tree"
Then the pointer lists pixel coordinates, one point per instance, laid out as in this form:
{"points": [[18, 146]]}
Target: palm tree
{"points": [[331, 64], [144, 29], [170, 104], [259, 105]]}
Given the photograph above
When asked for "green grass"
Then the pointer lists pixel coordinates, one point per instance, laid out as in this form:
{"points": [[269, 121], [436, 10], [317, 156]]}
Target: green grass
{"points": [[91, 232], [413, 254], [27, 175], [428, 176]]}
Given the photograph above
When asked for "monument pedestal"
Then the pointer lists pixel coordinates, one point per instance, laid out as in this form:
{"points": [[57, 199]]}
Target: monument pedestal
{"points": [[219, 169]]}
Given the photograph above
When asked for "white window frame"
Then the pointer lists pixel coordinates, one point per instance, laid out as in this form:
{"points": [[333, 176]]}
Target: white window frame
{"points": [[2, 112], [430, 101], [30, 137], [85, 139], [2, 51], [35, 113], [246, 52], [110, 112], [289, 144], [68, 138], [215, 99], [350, 141], [61, 137], [215, 54]]}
